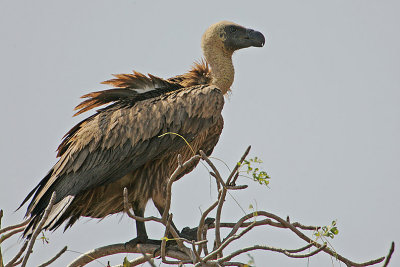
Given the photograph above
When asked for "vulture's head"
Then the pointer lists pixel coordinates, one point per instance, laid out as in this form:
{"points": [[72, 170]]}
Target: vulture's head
{"points": [[229, 37]]}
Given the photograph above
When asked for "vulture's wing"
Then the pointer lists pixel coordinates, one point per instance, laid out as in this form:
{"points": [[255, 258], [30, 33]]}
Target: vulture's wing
{"points": [[122, 137]]}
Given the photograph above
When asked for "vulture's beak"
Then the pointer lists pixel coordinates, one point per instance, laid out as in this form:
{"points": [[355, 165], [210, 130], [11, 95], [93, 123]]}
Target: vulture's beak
{"points": [[256, 38]]}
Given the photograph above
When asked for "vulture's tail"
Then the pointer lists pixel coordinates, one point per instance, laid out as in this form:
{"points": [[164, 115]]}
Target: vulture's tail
{"points": [[52, 221]]}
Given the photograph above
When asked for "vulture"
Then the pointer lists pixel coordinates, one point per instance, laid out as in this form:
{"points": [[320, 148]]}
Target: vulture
{"points": [[124, 143]]}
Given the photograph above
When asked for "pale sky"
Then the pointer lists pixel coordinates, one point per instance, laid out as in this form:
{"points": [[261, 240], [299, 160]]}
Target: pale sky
{"points": [[320, 104]]}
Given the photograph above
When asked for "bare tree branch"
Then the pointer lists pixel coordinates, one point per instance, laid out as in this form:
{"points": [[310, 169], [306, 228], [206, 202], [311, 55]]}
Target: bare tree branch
{"points": [[135, 262], [312, 253], [389, 256], [216, 173], [299, 249], [268, 222], [308, 240], [164, 240], [126, 248], [38, 228], [181, 168], [201, 224], [226, 242], [54, 258], [16, 257], [260, 247], [11, 233], [197, 253], [128, 207], [234, 171], [11, 227], [148, 259]]}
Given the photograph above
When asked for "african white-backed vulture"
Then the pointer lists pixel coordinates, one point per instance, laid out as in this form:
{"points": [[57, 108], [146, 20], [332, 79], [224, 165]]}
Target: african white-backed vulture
{"points": [[120, 145]]}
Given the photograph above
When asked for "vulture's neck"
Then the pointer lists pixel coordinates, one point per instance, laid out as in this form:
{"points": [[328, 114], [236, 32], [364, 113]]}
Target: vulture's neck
{"points": [[222, 71]]}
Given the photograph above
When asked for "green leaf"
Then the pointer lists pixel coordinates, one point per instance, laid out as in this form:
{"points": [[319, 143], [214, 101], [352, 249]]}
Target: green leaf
{"points": [[335, 231], [126, 262]]}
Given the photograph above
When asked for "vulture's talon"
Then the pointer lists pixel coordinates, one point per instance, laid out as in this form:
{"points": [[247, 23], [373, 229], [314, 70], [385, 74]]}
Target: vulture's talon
{"points": [[169, 243], [191, 233], [138, 240]]}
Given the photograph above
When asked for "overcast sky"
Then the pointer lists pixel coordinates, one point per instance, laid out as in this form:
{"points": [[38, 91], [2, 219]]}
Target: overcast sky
{"points": [[319, 104]]}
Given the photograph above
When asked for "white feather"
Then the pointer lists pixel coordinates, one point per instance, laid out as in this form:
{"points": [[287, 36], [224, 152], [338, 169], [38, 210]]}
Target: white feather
{"points": [[57, 211]]}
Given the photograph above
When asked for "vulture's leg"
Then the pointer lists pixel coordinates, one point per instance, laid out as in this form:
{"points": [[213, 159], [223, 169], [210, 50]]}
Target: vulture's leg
{"points": [[140, 227], [142, 237]]}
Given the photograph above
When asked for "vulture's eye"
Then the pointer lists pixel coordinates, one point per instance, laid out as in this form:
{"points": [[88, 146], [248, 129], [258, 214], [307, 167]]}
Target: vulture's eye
{"points": [[232, 29]]}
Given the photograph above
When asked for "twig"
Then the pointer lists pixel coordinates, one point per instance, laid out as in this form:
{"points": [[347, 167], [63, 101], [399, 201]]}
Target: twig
{"points": [[205, 238], [16, 257], [38, 229], [216, 172], [11, 227], [312, 253], [241, 223], [197, 256], [216, 179], [284, 224], [268, 222], [134, 262], [236, 187], [18, 262], [221, 201], [236, 227], [54, 258], [308, 240], [389, 256], [230, 263], [201, 224], [228, 181], [148, 259], [128, 207], [178, 170], [222, 195], [178, 240], [260, 247], [227, 242], [164, 240], [11, 233], [299, 249]]}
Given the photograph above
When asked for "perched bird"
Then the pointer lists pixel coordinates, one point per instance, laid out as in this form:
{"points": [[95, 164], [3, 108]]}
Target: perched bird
{"points": [[124, 143]]}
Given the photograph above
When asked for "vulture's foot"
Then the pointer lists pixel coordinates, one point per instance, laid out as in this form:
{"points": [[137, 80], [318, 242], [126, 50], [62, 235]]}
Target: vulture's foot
{"points": [[191, 233], [142, 240], [170, 244]]}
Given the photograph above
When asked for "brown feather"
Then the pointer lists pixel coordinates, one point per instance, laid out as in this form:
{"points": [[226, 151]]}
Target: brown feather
{"points": [[124, 120], [100, 142], [200, 73]]}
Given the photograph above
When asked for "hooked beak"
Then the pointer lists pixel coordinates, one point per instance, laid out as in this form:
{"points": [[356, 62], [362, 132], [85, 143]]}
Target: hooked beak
{"points": [[256, 38]]}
